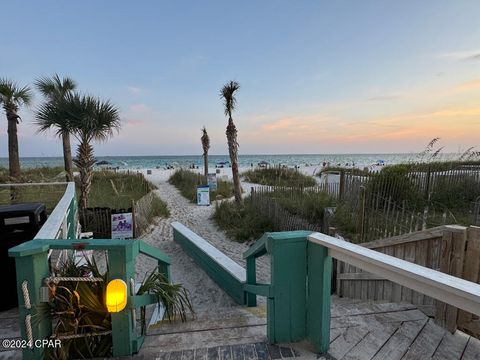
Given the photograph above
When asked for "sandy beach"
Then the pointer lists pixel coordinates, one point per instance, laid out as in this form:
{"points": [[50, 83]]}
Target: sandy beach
{"points": [[204, 293]]}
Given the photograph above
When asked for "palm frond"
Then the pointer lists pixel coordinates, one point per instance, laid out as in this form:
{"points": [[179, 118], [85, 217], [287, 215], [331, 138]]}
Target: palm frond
{"points": [[12, 93], [227, 93], [174, 297], [55, 87]]}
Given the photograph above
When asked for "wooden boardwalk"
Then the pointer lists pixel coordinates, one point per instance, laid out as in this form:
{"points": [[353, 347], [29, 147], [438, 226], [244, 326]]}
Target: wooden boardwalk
{"points": [[358, 331]]}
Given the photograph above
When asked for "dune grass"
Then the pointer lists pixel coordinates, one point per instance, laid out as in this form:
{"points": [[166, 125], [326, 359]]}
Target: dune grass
{"points": [[187, 181], [279, 177], [242, 222], [109, 189]]}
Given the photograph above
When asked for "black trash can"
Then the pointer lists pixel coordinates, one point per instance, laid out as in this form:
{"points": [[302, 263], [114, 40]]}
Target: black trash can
{"points": [[18, 223]]}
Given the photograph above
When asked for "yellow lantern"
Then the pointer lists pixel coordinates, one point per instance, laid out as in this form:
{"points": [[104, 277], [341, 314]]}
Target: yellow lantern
{"points": [[116, 298]]}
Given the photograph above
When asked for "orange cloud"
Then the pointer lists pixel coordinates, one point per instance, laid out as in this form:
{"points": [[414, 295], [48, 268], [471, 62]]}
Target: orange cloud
{"points": [[296, 123], [470, 85], [454, 123]]}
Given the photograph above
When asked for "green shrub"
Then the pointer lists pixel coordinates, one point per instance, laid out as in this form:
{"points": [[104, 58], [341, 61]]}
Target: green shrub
{"points": [[307, 204], [455, 195], [394, 182], [279, 177], [187, 181], [242, 222]]}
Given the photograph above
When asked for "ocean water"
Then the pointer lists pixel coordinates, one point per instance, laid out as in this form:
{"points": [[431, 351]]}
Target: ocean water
{"points": [[142, 162]]}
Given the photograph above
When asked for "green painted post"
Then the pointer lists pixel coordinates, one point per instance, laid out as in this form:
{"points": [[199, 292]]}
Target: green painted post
{"points": [[122, 266], [33, 269], [71, 220], [164, 268], [318, 299], [251, 279], [286, 310]]}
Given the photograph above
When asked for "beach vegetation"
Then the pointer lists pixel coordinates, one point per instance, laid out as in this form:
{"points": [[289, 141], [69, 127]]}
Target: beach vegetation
{"points": [[54, 89], [12, 98], [338, 169], [119, 190], [278, 176], [80, 316], [109, 189], [186, 182], [88, 119], [205, 139], [307, 204], [242, 222], [227, 94]]}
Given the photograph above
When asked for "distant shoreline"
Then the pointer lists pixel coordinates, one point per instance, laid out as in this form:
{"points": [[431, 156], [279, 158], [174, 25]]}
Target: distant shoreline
{"points": [[291, 160]]}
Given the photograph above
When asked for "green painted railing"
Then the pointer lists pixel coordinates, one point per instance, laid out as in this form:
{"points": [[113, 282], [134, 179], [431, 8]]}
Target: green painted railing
{"points": [[31, 259], [224, 271], [298, 297]]}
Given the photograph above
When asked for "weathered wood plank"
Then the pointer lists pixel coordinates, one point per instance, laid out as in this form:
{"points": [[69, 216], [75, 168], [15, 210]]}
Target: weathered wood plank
{"points": [[200, 354], [399, 343], [359, 276], [388, 285], [351, 337], [396, 288], [421, 251], [373, 320], [409, 255], [426, 342], [249, 352], [452, 346], [406, 238], [471, 267], [335, 333], [368, 308], [372, 342], [472, 351], [451, 262]]}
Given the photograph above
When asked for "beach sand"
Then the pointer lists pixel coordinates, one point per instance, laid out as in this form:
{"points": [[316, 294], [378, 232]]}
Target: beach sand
{"points": [[204, 293]]}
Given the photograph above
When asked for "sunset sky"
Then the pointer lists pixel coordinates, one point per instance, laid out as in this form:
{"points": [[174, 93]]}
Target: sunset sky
{"points": [[315, 76]]}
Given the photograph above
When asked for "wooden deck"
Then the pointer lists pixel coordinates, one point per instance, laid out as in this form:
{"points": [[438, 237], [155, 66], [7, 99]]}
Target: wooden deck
{"points": [[358, 331]]}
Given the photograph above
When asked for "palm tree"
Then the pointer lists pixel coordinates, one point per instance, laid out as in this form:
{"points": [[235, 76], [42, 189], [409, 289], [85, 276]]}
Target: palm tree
{"points": [[88, 119], [12, 97], [228, 95], [205, 145], [53, 89]]}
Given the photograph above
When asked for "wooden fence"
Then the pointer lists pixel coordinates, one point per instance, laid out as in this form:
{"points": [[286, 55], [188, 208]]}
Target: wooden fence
{"points": [[281, 219], [424, 178], [454, 250], [99, 220], [142, 213]]}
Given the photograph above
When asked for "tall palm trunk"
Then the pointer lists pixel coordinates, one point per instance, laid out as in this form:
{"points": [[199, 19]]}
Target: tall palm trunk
{"points": [[67, 156], [13, 156], [205, 162], [233, 152], [85, 162]]}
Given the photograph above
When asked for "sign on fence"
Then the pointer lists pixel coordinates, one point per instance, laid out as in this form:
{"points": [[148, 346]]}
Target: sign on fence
{"points": [[203, 195], [122, 226], [212, 181]]}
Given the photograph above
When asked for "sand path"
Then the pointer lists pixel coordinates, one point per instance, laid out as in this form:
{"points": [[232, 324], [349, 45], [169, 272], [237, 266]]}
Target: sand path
{"points": [[204, 293]]}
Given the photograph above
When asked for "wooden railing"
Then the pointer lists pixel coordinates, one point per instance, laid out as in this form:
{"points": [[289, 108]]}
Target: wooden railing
{"points": [[298, 304], [450, 249], [32, 267], [59, 234], [62, 222]]}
